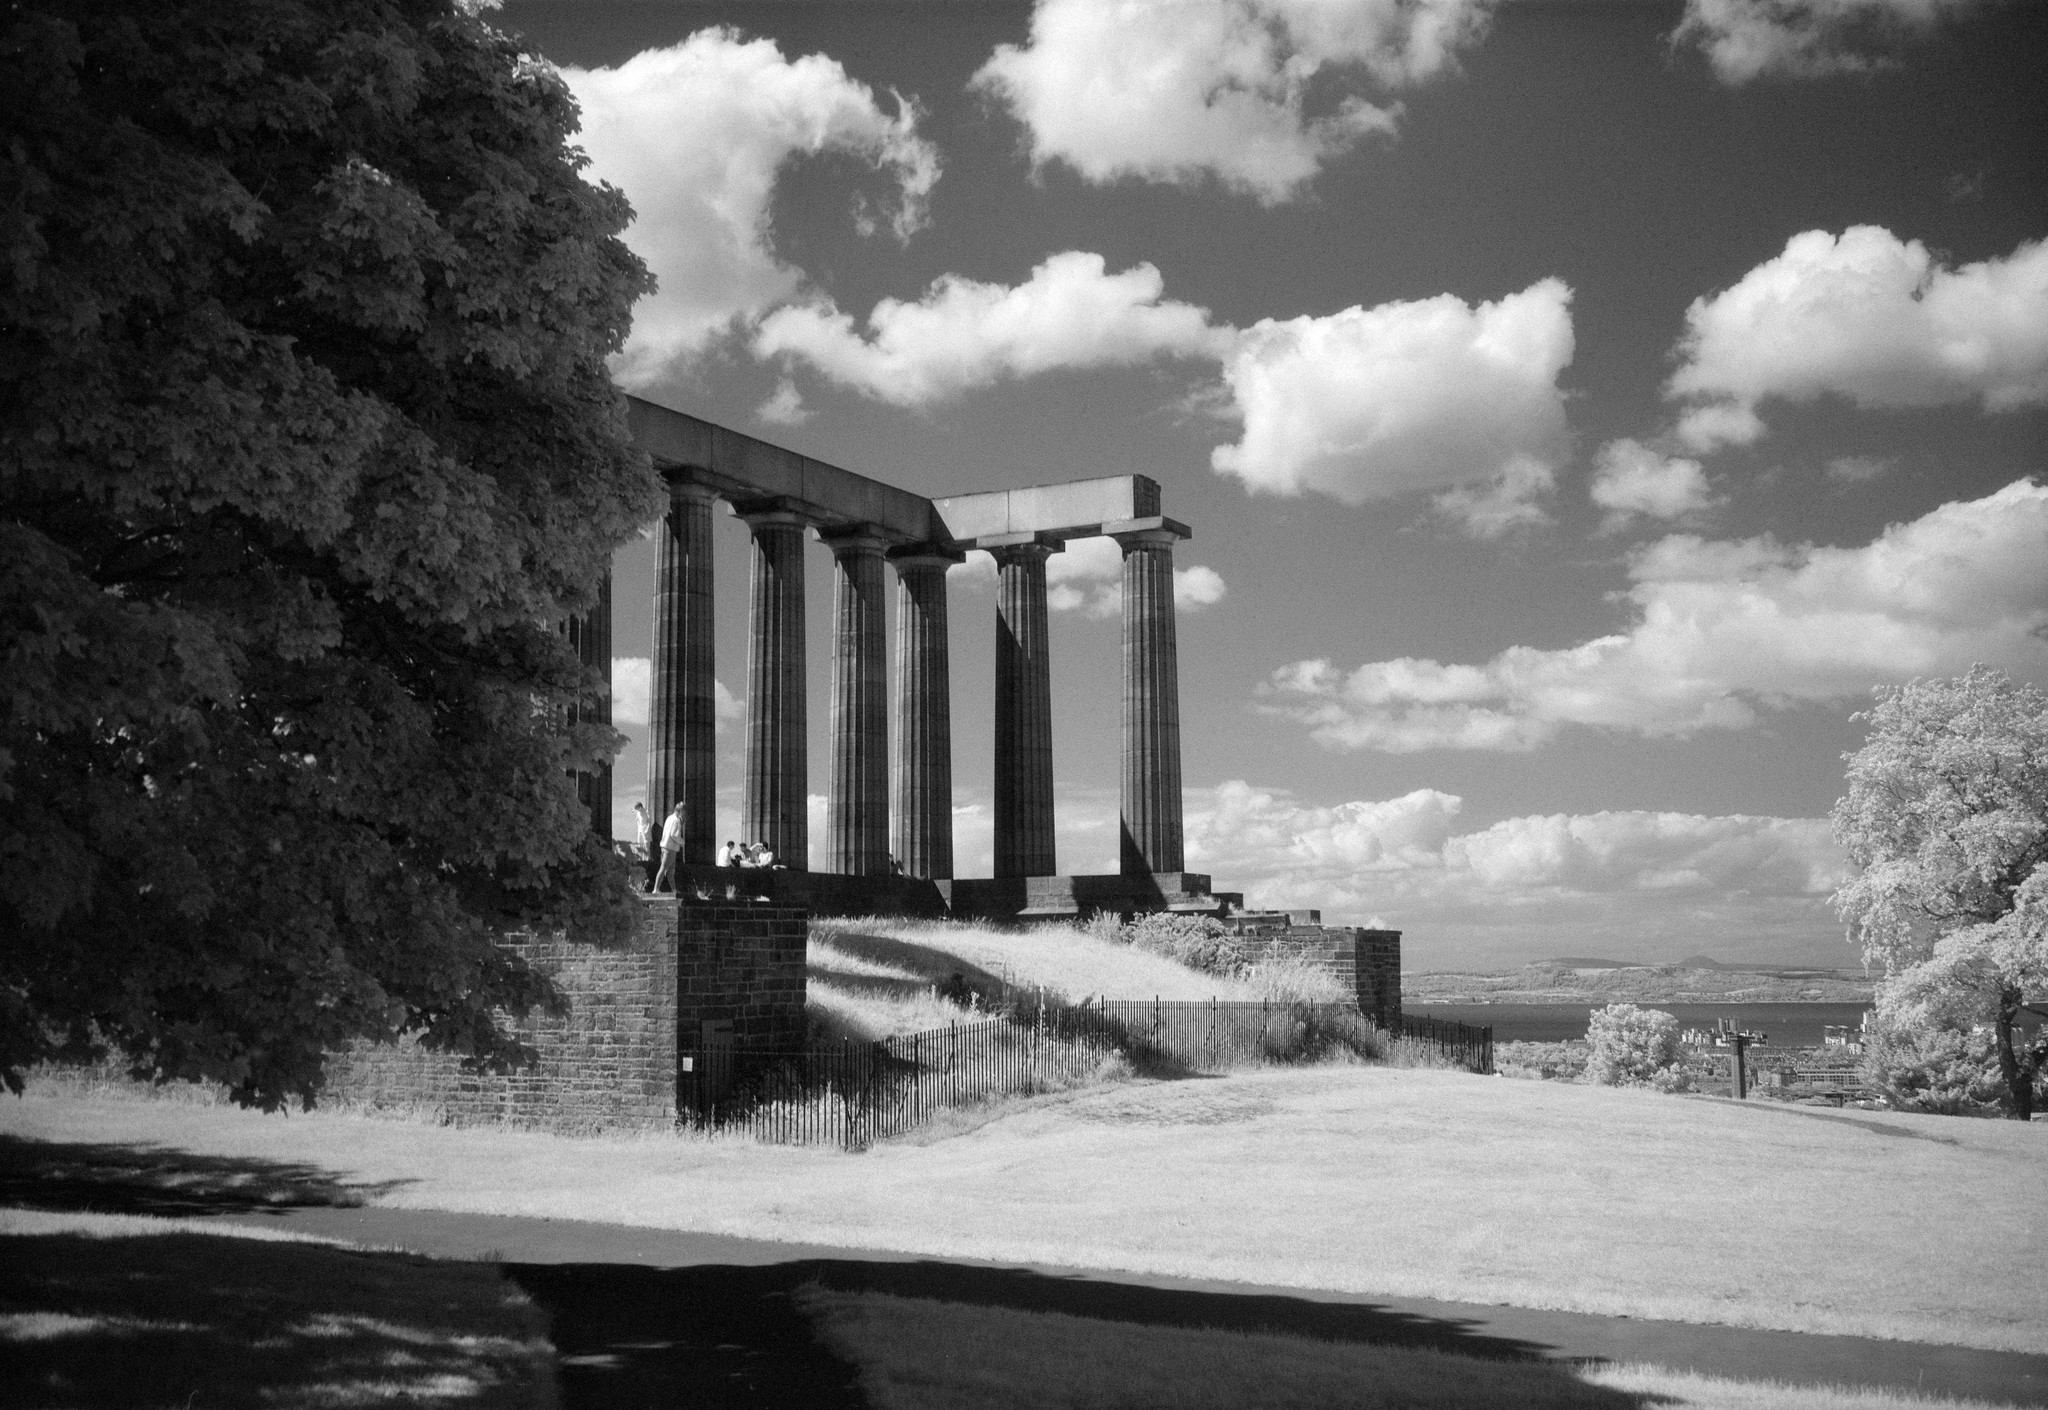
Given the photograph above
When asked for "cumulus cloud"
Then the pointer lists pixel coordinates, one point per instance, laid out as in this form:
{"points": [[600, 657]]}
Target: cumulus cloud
{"points": [[1632, 481], [1183, 90], [695, 135], [965, 334], [1087, 577], [1746, 39], [1721, 630], [1550, 881], [632, 689], [1866, 316], [1428, 395], [784, 406], [633, 694]]}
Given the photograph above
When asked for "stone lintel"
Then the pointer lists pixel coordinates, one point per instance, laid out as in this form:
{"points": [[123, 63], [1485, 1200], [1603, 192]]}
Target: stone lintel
{"points": [[1073, 509], [741, 467], [991, 542]]}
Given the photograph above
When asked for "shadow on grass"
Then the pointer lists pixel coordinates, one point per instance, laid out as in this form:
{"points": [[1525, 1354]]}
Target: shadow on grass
{"points": [[930, 965], [81, 1177], [205, 1320], [730, 1336]]}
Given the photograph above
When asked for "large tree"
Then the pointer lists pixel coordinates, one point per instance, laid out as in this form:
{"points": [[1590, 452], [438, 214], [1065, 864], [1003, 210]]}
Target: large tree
{"points": [[1946, 816], [307, 445]]}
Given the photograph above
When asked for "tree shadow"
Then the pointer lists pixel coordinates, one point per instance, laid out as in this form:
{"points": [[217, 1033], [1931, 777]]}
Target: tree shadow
{"points": [[729, 1335], [930, 965], [144, 1178], [201, 1319]]}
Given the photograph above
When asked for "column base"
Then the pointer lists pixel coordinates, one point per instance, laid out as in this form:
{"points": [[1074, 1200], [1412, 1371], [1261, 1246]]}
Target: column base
{"points": [[1078, 897]]}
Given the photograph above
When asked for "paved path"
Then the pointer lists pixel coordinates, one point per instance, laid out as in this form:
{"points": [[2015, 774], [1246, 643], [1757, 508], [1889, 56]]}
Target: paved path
{"points": [[709, 1315]]}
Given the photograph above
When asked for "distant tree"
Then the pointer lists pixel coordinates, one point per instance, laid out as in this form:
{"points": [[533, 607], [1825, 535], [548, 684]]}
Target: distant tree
{"points": [[1635, 1047], [1946, 817], [306, 446]]}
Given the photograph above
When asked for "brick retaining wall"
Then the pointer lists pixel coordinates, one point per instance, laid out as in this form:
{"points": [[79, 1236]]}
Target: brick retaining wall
{"points": [[1367, 963], [612, 1059]]}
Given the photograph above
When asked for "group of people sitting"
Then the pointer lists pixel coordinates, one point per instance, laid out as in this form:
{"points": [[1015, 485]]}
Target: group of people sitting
{"points": [[661, 861]]}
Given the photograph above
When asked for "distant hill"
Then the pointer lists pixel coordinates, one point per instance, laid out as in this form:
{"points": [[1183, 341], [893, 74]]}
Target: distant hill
{"points": [[1583, 962], [1707, 962]]}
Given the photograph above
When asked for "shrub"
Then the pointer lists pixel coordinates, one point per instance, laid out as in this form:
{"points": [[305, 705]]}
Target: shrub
{"points": [[1939, 1070], [1199, 942], [1561, 1062], [1634, 1047]]}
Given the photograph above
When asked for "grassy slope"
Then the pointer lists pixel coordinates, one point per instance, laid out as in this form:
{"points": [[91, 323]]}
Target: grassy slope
{"points": [[1361, 1179], [1057, 957]]}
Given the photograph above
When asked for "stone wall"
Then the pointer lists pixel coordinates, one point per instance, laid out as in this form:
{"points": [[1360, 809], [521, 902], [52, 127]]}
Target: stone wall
{"points": [[1367, 963], [636, 1014], [610, 1061]]}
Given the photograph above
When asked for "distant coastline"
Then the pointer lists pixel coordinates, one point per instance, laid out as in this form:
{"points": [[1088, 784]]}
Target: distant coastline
{"points": [[1573, 980]]}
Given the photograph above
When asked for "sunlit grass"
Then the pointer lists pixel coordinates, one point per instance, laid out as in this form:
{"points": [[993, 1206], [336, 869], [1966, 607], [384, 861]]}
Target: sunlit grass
{"points": [[1356, 1179]]}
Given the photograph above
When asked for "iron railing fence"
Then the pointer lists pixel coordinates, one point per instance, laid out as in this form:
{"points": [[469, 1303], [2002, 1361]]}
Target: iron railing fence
{"points": [[1469, 1046]]}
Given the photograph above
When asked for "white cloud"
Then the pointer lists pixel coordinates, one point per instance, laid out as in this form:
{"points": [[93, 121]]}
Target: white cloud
{"points": [[1197, 587], [1664, 884], [1506, 503], [1721, 630], [1176, 90], [1631, 481], [1868, 317], [1745, 39], [965, 334], [632, 689], [784, 406], [1370, 403], [1857, 469], [695, 135], [633, 694]]}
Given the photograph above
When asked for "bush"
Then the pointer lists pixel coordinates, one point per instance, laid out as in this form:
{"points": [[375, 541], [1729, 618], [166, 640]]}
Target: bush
{"points": [[1634, 1047], [1199, 942], [1940, 1070], [1557, 1062]]}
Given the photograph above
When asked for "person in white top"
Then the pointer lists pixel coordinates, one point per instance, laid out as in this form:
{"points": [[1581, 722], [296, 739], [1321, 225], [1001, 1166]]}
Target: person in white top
{"points": [[671, 846], [725, 855]]}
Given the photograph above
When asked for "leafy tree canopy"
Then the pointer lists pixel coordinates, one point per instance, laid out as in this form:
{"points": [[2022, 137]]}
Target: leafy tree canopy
{"points": [[1947, 816], [306, 446]]}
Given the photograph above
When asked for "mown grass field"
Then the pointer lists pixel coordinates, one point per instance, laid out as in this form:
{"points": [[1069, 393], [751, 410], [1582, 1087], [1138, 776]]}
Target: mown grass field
{"points": [[1365, 1179]]}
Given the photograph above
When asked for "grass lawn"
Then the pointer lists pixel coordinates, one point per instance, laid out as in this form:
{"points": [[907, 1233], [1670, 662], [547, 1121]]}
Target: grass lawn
{"points": [[1363, 1179], [104, 1312], [922, 1354]]}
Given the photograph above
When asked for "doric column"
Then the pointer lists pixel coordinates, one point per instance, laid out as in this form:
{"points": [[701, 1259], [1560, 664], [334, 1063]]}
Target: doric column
{"points": [[921, 835], [773, 807], [857, 807], [1023, 744], [682, 715], [1151, 706]]}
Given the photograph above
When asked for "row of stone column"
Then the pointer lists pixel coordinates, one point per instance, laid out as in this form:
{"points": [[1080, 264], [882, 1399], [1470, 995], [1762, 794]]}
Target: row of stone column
{"points": [[866, 824]]}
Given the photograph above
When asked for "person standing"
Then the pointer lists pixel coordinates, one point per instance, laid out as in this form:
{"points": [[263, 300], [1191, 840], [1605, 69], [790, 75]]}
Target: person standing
{"points": [[643, 844], [671, 847]]}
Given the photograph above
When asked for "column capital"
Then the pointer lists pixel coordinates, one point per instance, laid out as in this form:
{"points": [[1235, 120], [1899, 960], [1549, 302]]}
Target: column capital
{"points": [[860, 539], [774, 513], [1017, 548], [925, 555], [1153, 529], [683, 490]]}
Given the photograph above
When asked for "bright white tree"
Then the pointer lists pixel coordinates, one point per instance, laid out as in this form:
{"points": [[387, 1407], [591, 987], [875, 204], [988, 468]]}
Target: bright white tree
{"points": [[1946, 816]]}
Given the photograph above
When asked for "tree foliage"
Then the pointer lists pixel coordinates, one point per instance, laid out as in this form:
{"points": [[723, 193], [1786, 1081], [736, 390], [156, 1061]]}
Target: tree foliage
{"points": [[306, 446], [1946, 817], [1635, 1047]]}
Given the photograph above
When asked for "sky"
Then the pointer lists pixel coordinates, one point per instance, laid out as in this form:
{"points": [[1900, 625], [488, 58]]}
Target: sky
{"points": [[1579, 407]]}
